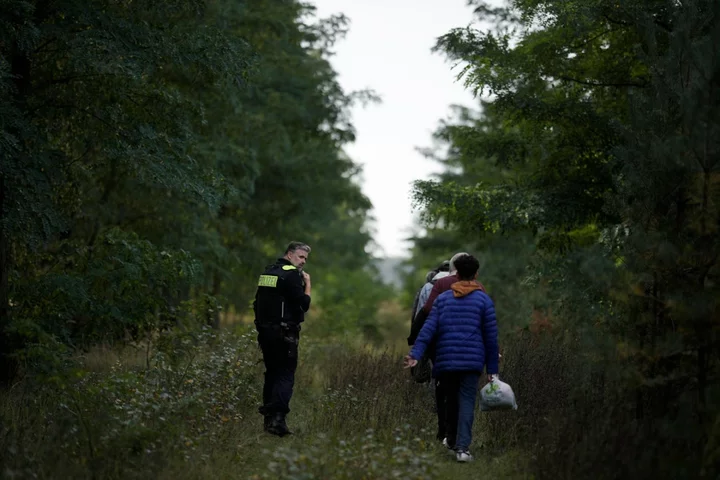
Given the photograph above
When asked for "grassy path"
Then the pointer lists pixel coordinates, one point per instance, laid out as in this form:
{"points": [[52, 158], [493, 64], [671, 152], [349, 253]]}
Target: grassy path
{"points": [[192, 414], [357, 417]]}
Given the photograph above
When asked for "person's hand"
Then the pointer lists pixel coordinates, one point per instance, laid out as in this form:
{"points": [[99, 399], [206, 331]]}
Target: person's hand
{"points": [[308, 284], [491, 376], [409, 362]]}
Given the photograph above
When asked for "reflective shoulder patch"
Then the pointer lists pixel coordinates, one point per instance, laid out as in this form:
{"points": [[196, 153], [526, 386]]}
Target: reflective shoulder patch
{"points": [[289, 267], [267, 281]]}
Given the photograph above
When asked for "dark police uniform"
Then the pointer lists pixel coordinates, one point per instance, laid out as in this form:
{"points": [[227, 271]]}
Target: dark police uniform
{"points": [[280, 305]]}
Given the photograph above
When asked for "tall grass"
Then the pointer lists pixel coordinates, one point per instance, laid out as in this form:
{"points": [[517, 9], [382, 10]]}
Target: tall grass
{"points": [[578, 416], [187, 408], [191, 412]]}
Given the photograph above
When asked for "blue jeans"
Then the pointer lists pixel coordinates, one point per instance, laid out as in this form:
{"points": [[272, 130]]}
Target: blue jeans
{"points": [[461, 391]]}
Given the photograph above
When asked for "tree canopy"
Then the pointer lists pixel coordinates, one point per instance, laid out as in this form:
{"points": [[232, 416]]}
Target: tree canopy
{"points": [[593, 163], [156, 155]]}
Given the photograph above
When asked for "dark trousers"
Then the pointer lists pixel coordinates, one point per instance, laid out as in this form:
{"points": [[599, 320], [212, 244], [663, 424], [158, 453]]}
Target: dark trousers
{"points": [[447, 425], [447, 414], [441, 408], [459, 390], [280, 355]]}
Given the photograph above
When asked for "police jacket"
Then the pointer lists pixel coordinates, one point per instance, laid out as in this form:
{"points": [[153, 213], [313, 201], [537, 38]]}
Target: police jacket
{"points": [[280, 296]]}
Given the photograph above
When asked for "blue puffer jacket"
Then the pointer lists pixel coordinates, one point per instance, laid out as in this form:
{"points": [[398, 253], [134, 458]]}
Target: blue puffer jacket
{"points": [[462, 321]]}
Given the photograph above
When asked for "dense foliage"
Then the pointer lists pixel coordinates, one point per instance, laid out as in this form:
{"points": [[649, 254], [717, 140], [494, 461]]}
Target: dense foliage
{"points": [[156, 155], [590, 176]]}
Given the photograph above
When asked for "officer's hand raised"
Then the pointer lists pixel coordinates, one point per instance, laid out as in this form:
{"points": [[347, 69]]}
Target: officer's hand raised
{"points": [[306, 277]]}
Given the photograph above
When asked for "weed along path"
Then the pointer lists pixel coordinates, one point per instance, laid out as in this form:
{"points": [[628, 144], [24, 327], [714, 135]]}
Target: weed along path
{"points": [[359, 417], [188, 410]]}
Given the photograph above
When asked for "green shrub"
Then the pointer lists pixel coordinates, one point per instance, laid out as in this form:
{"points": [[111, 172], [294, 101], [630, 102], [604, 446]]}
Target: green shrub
{"points": [[579, 415]]}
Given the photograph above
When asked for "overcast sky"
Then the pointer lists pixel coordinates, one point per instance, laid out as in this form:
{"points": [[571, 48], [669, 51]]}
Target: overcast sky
{"points": [[388, 50]]}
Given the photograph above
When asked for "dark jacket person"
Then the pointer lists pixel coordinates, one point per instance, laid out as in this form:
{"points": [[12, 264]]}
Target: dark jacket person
{"points": [[462, 323], [281, 300], [447, 425]]}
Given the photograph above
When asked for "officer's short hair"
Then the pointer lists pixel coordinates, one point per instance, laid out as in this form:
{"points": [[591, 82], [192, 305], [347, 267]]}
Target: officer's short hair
{"points": [[467, 266], [455, 257], [292, 246]]}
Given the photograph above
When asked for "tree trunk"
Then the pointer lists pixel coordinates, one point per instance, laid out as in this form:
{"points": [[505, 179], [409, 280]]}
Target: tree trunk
{"points": [[213, 317], [9, 345], [8, 365]]}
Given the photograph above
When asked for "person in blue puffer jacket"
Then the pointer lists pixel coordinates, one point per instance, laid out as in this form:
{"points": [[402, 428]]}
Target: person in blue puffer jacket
{"points": [[462, 322]]}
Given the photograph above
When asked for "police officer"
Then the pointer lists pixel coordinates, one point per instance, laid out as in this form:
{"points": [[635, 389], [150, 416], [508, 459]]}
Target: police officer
{"points": [[281, 300]]}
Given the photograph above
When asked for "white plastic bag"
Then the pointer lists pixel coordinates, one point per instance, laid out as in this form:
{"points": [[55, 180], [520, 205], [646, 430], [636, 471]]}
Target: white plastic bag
{"points": [[497, 395]]}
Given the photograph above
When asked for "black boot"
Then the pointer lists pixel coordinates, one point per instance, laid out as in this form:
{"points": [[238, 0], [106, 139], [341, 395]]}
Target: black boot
{"points": [[267, 422], [278, 426]]}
